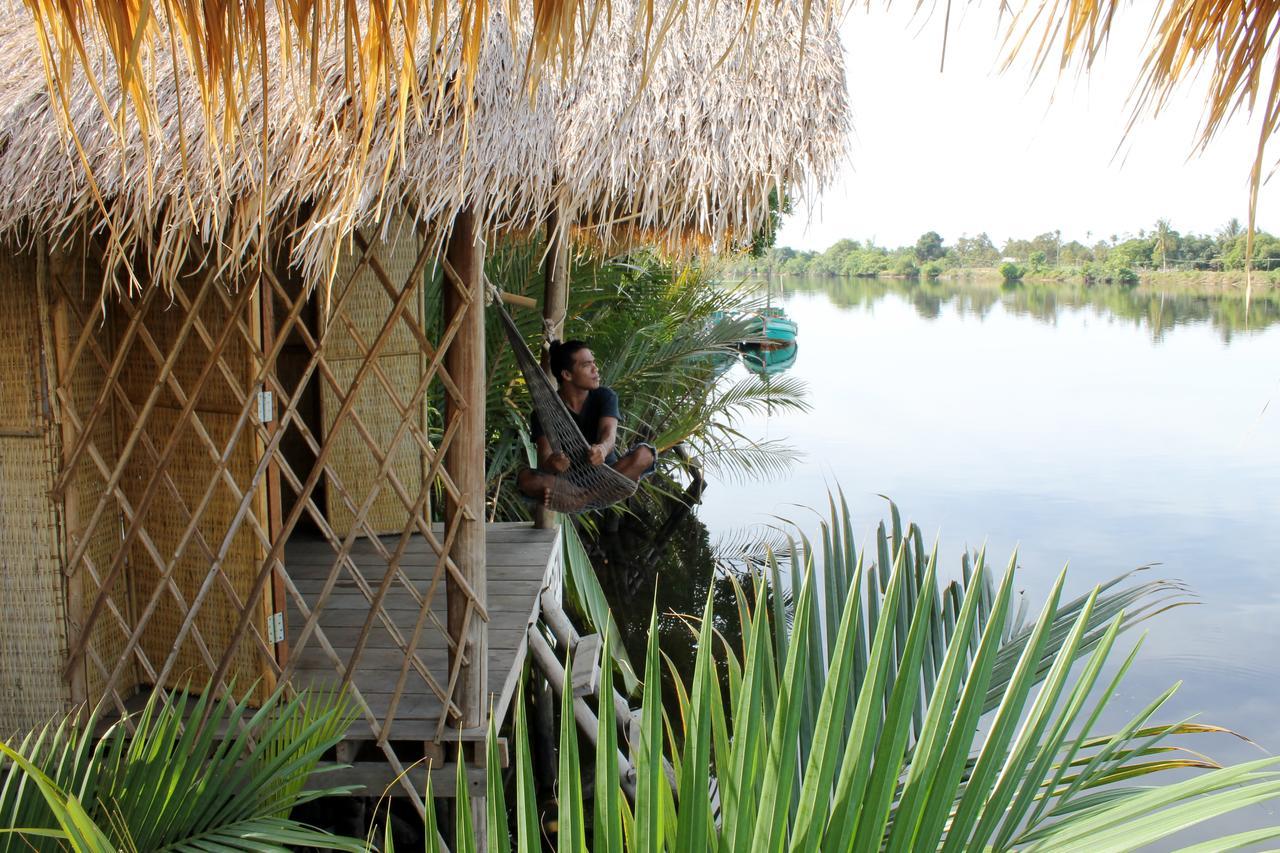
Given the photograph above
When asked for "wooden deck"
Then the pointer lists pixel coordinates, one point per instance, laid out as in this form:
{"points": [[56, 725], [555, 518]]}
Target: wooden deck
{"points": [[521, 562]]}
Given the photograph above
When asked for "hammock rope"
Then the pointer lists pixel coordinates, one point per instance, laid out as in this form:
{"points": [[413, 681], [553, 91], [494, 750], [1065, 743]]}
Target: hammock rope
{"points": [[584, 486]]}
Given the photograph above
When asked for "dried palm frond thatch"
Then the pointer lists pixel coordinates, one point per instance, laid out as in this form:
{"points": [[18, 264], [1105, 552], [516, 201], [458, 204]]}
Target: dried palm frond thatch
{"points": [[692, 150]]}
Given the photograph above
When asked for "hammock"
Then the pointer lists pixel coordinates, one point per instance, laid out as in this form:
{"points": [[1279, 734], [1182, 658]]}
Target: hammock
{"points": [[584, 486]]}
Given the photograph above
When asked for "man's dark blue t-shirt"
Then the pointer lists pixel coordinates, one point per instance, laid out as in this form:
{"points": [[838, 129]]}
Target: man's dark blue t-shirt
{"points": [[600, 403]]}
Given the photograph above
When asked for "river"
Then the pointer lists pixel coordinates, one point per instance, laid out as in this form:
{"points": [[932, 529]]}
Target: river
{"points": [[1101, 427]]}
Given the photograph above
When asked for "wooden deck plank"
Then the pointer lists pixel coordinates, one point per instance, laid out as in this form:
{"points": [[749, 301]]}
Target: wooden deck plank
{"points": [[519, 560]]}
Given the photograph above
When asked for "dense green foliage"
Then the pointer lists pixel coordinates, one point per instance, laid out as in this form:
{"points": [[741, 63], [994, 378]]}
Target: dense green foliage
{"points": [[1114, 259], [1011, 272], [172, 783], [663, 338]]}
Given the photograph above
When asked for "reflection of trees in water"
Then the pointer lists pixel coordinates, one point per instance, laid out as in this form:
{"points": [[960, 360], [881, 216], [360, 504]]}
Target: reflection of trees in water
{"points": [[1154, 310], [663, 549]]}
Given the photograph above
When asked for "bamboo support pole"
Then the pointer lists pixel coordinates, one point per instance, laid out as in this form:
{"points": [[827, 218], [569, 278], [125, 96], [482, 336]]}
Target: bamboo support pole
{"points": [[550, 665], [464, 361], [555, 305]]}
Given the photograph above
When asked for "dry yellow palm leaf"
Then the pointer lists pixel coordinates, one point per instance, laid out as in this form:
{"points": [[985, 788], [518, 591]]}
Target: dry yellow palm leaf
{"points": [[1232, 43], [686, 153]]}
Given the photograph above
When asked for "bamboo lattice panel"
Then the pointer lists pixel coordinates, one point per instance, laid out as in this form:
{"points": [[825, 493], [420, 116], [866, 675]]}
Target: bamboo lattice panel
{"points": [[156, 478], [32, 631], [369, 601], [195, 481], [210, 423]]}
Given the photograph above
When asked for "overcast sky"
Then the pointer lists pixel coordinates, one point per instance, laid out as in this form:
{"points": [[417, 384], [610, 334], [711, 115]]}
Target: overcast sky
{"points": [[973, 149]]}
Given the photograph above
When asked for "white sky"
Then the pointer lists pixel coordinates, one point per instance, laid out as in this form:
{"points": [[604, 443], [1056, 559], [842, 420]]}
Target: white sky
{"points": [[972, 149]]}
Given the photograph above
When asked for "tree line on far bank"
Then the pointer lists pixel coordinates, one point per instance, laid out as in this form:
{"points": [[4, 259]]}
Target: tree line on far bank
{"points": [[1118, 259]]}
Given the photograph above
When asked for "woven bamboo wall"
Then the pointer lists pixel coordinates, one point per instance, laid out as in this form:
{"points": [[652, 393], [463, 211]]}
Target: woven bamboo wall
{"points": [[352, 330], [193, 470], [32, 632], [75, 282]]}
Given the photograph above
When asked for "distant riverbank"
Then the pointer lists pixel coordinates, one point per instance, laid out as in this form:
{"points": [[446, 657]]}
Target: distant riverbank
{"points": [[1209, 281], [1226, 282]]}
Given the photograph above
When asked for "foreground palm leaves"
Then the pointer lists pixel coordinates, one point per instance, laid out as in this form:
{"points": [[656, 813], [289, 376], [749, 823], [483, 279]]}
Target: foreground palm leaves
{"points": [[895, 713], [173, 784]]}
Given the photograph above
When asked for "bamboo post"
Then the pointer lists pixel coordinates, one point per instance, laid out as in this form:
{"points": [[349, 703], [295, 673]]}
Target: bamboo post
{"points": [[464, 460], [555, 305]]}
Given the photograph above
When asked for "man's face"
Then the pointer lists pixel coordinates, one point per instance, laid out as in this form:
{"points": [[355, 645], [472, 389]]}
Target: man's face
{"points": [[584, 374]]}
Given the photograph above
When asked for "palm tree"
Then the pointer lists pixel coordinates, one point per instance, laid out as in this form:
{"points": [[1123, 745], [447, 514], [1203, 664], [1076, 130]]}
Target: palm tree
{"points": [[1164, 237], [664, 336]]}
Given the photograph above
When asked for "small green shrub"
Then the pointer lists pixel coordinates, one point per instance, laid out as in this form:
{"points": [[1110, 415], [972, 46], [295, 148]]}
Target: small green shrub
{"points": [[1123, 275], [933, 269], [1012, 272], [905, 266]]}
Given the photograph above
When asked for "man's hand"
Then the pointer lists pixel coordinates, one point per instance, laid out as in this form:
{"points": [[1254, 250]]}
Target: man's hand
{"points": [[596, 454], [556, 463]]}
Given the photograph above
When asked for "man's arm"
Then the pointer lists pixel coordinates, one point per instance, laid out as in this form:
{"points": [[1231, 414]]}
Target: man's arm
{"points": [[550, 462], [608, 432]]}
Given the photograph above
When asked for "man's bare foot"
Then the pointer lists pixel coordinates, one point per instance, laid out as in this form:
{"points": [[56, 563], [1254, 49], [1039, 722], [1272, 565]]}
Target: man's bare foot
{"points": [[565, 496]]}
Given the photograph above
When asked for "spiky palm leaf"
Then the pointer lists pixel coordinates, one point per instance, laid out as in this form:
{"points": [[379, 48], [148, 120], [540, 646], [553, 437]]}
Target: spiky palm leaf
{"points": [[884, 734], [174, 782]]}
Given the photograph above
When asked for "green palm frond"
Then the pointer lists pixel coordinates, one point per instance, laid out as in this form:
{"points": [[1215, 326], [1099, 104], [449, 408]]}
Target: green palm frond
{"points": [[662, 336], [196, 773], [898, 712]]}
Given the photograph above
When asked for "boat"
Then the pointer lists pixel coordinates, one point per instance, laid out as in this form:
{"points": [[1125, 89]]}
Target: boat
{"points": [[773, 326], [767, 361]]}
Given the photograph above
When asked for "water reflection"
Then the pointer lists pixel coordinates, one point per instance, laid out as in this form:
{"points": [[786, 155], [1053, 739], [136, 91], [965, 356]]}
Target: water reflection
{"points": [[1103, 427], [1150, 309], [660, 553]]}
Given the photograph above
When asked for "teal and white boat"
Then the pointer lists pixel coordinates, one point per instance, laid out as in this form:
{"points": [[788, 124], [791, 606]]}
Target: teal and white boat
{"points": [[773, 325]]}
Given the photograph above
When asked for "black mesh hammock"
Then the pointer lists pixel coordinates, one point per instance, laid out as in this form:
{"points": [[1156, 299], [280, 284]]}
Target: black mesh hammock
{"points": [[584, 486]]}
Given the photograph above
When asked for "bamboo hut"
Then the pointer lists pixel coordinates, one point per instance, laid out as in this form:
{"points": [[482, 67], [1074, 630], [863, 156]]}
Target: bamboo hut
{"points": [[240, 442]]}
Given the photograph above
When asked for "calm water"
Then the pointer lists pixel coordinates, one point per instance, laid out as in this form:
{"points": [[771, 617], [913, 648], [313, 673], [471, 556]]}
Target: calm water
{"points": [[1099, 428]]}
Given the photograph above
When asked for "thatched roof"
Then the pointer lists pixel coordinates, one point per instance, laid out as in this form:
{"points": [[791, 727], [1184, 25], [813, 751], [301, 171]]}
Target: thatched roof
{"points": [[696, 153]]}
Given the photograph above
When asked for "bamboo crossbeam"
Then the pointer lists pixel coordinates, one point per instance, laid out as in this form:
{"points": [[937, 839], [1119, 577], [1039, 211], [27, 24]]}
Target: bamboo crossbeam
{"points": [[551, 667], [556, 619], [517, 300]]}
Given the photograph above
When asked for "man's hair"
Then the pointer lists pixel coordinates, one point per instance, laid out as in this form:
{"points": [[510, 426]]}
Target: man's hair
{"points": [[562, 354]]}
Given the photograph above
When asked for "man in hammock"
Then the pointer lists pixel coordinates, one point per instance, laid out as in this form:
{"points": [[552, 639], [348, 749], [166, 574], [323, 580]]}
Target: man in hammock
{"points": [[595, 410]]}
